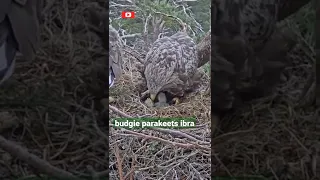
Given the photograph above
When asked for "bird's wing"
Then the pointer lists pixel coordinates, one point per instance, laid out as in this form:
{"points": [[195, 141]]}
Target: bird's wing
{"points": [[176, 53], [170, 63], [188, 61], [241, 28], [115, 52], [161, 60], [24, 19]]}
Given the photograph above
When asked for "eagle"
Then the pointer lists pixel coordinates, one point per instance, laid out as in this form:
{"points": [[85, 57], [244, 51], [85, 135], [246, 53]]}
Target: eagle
{"points": [[19, 31], [170, 65], [248, 52], [100, 25], [115, 55]]}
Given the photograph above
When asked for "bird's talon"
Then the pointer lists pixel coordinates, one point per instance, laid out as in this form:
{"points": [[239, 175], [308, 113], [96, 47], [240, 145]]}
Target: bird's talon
{"points": [[111, 100]]}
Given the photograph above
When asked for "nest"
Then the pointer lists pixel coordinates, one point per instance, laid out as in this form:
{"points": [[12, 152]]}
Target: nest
{"points": [[167, 153], [51, 106]]}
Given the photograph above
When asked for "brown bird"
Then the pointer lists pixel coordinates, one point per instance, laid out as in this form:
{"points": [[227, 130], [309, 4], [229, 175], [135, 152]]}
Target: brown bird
{"points": [[19, 31], [115, 55], [246, 61], [170, 65], [100, 25]]}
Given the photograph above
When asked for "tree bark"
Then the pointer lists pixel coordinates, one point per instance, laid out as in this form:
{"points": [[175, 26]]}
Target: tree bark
{"points": [[204, 49]]}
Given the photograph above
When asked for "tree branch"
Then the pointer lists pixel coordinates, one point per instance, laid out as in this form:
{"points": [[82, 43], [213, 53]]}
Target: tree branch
{"points": [[37, 163]]}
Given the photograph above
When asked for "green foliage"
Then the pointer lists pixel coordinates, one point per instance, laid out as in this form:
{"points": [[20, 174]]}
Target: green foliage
{"points": [[161, 6], [201, 10], [169, 11]]}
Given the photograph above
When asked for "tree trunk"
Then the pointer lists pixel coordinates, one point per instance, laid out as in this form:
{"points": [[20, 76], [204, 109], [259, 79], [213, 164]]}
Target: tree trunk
{"points": [[204, 49]]}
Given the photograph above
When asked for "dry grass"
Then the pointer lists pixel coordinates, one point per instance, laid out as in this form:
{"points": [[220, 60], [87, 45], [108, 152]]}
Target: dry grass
{"points": [[154, 159], [52, 101]]}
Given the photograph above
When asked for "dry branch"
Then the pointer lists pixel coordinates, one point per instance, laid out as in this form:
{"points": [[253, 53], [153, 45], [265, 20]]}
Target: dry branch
{"points": [[182, 145], [204, 49], [119, 163], [119, 112], [37, 163]]}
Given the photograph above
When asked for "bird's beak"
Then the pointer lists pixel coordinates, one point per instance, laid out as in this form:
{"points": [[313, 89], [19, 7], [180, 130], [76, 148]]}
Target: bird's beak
{"points": [[153, 97]]}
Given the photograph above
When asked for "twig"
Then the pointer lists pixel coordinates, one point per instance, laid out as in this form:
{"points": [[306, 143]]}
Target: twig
{"points": [[195, 136], [34, 161], [131, 172], [119, 163], [222, 164], [308, 87], [230, 136], [297, 140], [187, 145], [171, 16], [135, 54], [119, 112], [145, 93], [130, 35], [176, 133]]}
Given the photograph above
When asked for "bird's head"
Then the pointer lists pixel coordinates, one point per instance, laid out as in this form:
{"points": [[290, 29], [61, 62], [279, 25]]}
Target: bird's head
{"points": [[156, 82], [156, 87]]}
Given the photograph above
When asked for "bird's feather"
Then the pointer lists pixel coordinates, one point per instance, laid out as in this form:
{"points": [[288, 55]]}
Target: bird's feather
{"points": [[241, 63], [171, 63], [115, 53]]}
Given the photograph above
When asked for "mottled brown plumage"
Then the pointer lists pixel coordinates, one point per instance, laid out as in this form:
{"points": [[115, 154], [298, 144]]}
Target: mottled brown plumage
{"points": [[243, 67], [115, 52], [171, 64], [107, 34]]}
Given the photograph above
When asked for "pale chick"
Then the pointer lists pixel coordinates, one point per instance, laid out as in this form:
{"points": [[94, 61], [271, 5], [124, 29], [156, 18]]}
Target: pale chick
{"points": [[162, 101]]}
